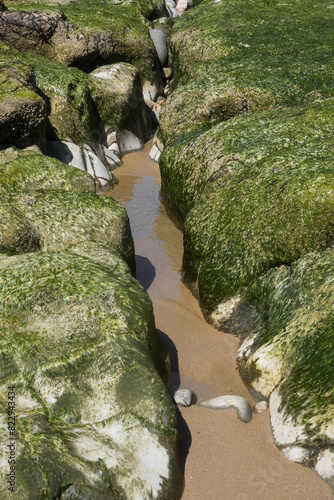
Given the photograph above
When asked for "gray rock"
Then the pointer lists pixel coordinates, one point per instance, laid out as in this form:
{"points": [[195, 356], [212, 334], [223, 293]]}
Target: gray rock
{"points": [[183, 397], [160, 43], [168, 73], [128, 142], [171, 10], [181, 7], [82, 158], [244, 410]]}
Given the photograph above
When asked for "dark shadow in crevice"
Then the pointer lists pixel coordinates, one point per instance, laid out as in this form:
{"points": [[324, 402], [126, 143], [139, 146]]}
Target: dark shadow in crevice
{"points": [[145, 271], [184, 432]]}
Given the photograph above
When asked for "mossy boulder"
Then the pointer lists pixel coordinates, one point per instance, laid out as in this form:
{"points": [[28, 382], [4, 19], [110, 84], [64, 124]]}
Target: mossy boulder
{"points": [[118, 94], [78, 103], [85, 34], [235, 57], [22, 112], [30, 172], [66, 91], [255, 192], [93, 418], [53, 220], [294, 339]]}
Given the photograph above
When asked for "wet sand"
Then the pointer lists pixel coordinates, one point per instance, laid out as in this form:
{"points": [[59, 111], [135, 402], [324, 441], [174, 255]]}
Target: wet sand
{"points": [[223, 458]]}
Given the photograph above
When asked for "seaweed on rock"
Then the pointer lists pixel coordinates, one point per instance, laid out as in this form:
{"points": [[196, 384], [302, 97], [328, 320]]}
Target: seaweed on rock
{"points": [[91, 411]]}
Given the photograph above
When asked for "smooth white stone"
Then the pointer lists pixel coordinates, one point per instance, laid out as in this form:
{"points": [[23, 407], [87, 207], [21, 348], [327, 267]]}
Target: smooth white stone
{"points": [[128, 142], [183, 397], [244, 410]]}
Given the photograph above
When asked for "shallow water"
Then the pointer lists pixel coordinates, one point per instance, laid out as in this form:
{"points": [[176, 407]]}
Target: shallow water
{"points": [[224, 459]]}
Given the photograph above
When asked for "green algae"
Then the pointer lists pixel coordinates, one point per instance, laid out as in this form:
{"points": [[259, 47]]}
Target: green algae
{"points": [[296, 306], [62, 218], [34, 171], [22, 111], [255, 191], [237, 57], [71, 110], [118, 97], [120, 29], [88, 398]]}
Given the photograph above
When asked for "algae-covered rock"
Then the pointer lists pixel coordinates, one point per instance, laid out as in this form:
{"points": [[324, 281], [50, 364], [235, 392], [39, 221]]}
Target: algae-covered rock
{"points": [[70, 107], [77, 102], [58, 219], [22, 111], [92, 417], [84, 158], [256, 192], [296, 336], [236, 57], [84, 34], [29, 172], [118, 95]]}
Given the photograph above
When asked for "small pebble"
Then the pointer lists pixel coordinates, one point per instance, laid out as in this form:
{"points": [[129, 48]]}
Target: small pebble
{"points": [[260, 407], [183, 397]]}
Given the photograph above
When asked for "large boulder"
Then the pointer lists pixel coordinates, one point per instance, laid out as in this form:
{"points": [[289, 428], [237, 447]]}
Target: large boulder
{"points": [[53, 220], [225, 64], [291, 356], [249, 173], [82, 34], [92, 417], [30, 171], [263, 182], [118, 95], [22, 112]]}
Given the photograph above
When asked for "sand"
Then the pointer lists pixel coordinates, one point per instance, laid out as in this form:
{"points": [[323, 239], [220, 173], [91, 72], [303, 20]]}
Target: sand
{"points": [[223, 458]]}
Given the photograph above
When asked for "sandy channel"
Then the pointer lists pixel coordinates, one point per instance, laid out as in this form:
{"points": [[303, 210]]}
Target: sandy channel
{"points": [[223, 458]]}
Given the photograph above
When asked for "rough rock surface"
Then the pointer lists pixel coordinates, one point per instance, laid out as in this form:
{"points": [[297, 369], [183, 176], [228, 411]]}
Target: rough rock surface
{"points": [[93, 418], [78, 343], [22, 112], [82, 158], [118, 94], [86, 34], [249, 174], [30, 172]]}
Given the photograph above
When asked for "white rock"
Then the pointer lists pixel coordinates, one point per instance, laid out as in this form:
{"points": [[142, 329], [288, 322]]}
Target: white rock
{"points": [[156, 150], [285, 429], [128, 142], [244, 410], [155, 153], [223, 311], [97, 169], [268, 361], [245, 348], [296, 453], [66, 152], [112, 159], [82, 158], [183, 397], [181, 7], [325, 466], [111, 139], [171, 10], [261, 407]]}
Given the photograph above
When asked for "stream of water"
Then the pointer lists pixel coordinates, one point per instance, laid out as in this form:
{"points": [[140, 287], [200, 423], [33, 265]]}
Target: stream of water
{"points": [[223, 458]]}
